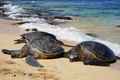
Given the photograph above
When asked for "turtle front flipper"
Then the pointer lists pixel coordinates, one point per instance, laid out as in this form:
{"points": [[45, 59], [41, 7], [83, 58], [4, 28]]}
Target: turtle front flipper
{"points": [[20, 53], [32, 61], [95, 62]]}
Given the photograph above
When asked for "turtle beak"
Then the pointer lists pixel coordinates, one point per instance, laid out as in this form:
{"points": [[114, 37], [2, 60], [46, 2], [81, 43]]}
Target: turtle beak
{"points": [[74, 58], [19, 41]]}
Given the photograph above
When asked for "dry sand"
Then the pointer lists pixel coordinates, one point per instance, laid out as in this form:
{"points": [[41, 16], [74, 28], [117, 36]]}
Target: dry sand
{"points": [[54, 69]]}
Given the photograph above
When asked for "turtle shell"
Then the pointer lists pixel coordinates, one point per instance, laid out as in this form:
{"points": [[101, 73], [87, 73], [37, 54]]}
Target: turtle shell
{"points": [[31, 36], [99, 50], [43, 42]]}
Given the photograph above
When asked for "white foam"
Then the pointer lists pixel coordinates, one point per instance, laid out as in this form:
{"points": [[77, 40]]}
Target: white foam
{"points": [[34, 20], [70, 34], [13, 10]]}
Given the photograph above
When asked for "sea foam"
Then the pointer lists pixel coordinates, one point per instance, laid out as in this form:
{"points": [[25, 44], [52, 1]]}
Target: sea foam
{"points": [[12, 10], [70, 34]]}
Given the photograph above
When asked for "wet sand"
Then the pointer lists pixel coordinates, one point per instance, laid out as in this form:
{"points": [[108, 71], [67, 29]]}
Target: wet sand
{"points": [[110, 33], [54, 69]]}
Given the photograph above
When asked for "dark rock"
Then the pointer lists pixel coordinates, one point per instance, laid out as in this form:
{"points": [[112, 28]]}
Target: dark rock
{"points": [[51, 19], [20, 23], [118, 26], [63, 17]]}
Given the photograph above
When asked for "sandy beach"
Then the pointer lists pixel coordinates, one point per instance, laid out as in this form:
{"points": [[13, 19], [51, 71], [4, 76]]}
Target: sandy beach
{"points": [[54, 69]]}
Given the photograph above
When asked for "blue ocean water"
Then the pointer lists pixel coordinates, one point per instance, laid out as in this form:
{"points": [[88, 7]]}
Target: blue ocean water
{"points": [[107, 11]]}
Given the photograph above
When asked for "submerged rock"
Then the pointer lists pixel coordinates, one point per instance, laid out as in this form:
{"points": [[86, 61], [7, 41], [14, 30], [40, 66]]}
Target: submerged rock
{"points": [[92, 34], [118, 26]]}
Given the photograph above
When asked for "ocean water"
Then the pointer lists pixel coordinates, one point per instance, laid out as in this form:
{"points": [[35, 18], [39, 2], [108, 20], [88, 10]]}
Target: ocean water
{"points": [[103, 11]]}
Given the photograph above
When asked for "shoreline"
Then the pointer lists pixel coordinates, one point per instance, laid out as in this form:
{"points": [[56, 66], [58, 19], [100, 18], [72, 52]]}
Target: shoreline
{"points": [[102, 32], [55, 69]]}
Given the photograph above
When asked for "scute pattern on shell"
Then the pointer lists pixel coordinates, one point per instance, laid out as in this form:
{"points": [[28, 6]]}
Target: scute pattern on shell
{"points": [[101, 51], [45, 42]]}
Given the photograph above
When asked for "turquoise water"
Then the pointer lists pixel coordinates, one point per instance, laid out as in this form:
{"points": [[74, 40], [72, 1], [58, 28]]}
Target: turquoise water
{"points": [[104, 11]]}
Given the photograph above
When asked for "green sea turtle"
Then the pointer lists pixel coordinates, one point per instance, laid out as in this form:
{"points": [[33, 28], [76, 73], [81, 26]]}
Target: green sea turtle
{"points": [[92, 53], [38, 44]]}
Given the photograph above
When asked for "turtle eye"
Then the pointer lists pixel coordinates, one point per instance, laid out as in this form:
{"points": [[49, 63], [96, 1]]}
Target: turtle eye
{"points": [[71, 57]]}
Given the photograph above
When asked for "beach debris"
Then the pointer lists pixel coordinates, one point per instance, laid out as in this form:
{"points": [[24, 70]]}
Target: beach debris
{"points": [[92, 53], [40, 45]]}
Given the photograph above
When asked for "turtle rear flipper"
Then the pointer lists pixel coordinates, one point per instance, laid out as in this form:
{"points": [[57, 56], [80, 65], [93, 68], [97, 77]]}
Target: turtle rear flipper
{"points": [[32, 61], [5, 51], [13, 53], [96, 62]]}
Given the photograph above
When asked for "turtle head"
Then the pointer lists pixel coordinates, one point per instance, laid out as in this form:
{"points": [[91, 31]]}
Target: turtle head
{"points": [[73, 57], [74, 54]]}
